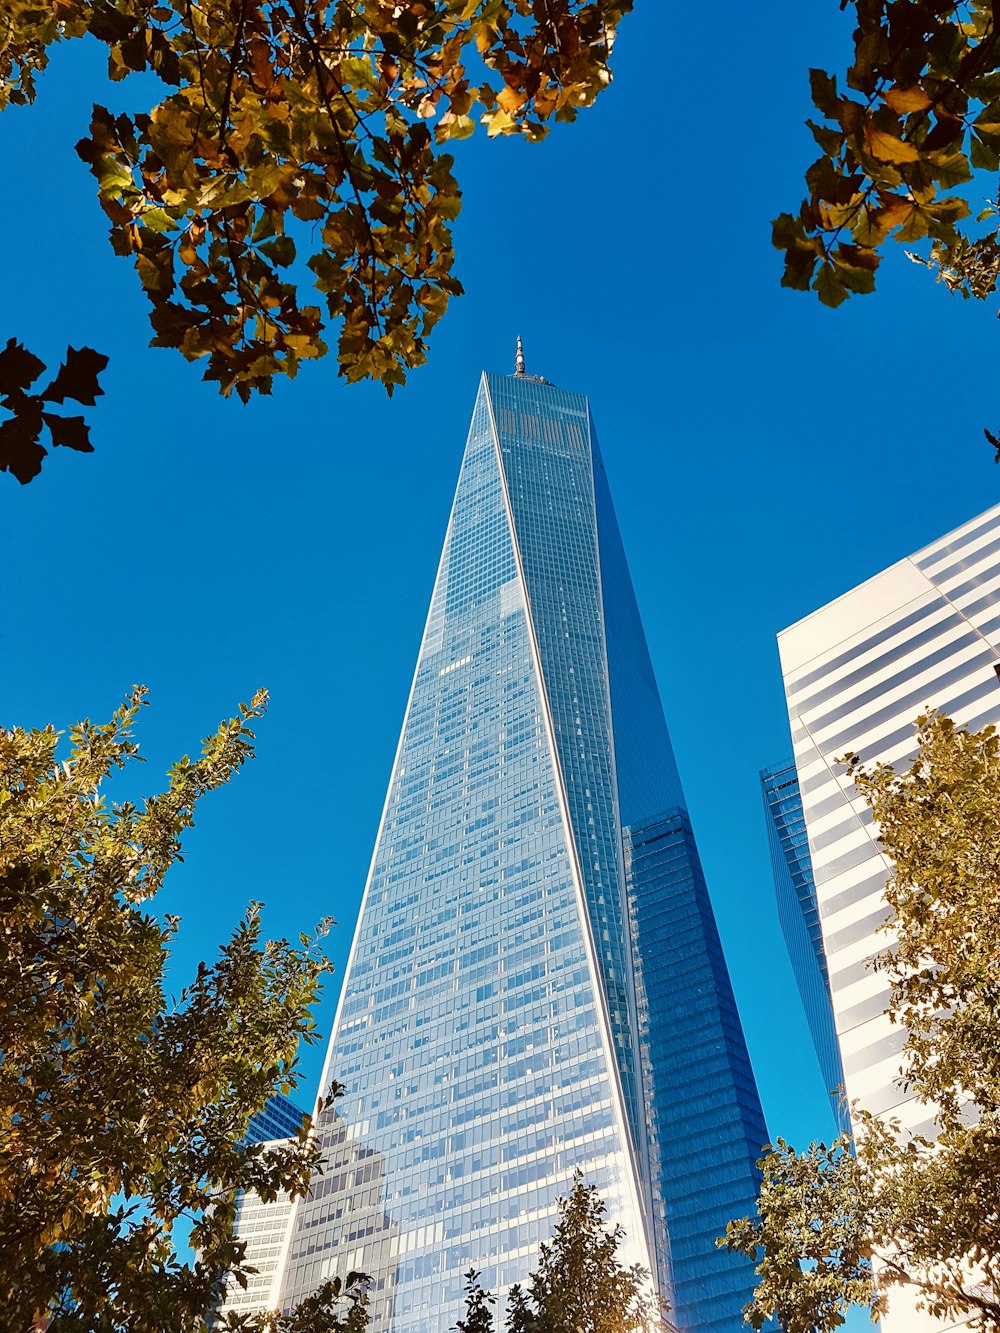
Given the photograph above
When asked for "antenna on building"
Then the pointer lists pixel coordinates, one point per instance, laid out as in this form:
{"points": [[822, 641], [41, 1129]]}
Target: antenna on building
{"points": [[519, 358]]}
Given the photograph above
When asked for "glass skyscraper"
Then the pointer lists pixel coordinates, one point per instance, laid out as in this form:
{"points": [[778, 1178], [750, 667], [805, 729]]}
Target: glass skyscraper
{"points": [[536, 982], [798, 912]]}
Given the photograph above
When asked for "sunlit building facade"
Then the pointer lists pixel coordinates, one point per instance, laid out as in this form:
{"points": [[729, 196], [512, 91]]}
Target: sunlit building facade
{"points": [[261, 1225], [858, 672], [536, 983]]}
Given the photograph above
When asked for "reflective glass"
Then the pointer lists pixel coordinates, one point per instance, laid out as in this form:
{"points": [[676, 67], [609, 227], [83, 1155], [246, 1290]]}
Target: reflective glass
{"points": [[798, 911], [472, 1039], [495, 1031]]}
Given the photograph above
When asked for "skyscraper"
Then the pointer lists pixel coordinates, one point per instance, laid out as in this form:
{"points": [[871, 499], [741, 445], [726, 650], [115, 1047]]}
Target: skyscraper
{"points": [[798, 912], [857, 674], [536, 982], [261, 1225]]}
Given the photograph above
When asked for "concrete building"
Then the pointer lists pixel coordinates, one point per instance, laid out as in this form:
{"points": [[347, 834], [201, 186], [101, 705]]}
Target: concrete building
{"points": [[857, 674]]}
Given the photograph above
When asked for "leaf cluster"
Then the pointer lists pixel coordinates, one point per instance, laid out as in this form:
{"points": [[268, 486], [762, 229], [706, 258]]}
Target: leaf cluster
{"points": [[840, 1226], [918, 114], [122, 1111], [339, 1306], [836, 1227], [21, 450], [301, 141], [810, 1238], [939, 821]]}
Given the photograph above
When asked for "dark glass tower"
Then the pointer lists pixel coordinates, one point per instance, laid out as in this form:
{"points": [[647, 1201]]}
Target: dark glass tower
{"points": [[798, 912], [536, 982]]}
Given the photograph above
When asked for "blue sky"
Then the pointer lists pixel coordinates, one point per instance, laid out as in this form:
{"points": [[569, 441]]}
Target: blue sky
{"points": [[765, 455]]}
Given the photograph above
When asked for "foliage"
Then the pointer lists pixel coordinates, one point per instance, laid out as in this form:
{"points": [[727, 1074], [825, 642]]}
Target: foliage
{"points": [[123, 1112], [922, 1214], [924, 117], [21, 452], [520, 1318], [579, 1285], [298, 135], [338, 1307], [478, 1306]]}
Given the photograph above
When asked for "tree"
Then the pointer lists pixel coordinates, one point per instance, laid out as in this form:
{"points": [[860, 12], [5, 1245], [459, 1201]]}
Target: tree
{"points": [[917, 123], [579, 1285], [520, 1318], [478, 1306], [835, 1229], [123, 1113], [299, 139]]}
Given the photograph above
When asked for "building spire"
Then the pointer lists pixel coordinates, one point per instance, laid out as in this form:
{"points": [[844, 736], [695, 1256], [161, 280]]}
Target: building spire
{"points": [[519, 358]]}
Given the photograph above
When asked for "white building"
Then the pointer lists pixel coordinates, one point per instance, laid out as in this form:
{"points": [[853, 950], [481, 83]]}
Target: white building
{"points": [[263, 1226], [857, 674]]}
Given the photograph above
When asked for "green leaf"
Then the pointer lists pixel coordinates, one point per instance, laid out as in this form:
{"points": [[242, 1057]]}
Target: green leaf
{"points": [[984, 156], [856, 267], [950, 168], [831, 141], [824, 93], [280, 251], [829, 286], [799, 266], [265, 227]]}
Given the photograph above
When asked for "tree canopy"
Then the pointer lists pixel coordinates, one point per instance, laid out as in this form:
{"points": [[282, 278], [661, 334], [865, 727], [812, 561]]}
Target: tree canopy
{"points": [[579, 1285], [122, 1111], [835, 1228], [300, 142], [910, 149]]}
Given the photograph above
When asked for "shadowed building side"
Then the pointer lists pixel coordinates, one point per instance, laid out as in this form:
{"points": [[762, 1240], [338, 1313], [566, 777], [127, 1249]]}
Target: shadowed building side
{"points": [[706, 1127]]}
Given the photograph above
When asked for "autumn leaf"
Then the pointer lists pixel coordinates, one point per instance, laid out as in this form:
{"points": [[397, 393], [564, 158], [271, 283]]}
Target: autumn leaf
{"points": [[926, 121], [298, 136], [21, 450], [887, 147], [905, 100]]}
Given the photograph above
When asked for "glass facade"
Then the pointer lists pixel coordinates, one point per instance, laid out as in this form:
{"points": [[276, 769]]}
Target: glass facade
{"points": [[798, 912], [280, 1119], [494, 1032], [706, 1128]]}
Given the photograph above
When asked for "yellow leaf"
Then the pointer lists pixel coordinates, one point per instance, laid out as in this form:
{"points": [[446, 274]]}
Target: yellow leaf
{"points": [[894, 212], [510, 100], [905, 100], [497, 123], [887, 148], [836, 215]]}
